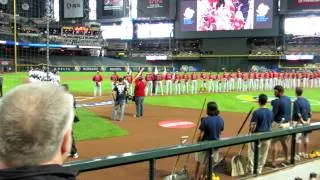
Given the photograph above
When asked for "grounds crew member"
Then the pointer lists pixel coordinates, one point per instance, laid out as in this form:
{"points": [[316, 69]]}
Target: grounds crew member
{"points": [[261, 121], [301, 116], [97, 79], [36, 136], [281, 109], [119, 95], [210, 129]]}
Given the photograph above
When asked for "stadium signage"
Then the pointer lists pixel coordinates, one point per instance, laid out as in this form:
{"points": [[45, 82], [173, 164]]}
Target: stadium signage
{"points": [[73, 8], [308, 2], [153, 58]]}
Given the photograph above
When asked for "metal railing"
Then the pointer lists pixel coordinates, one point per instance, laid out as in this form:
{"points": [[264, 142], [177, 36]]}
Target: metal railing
{"points": [[153, 155]]}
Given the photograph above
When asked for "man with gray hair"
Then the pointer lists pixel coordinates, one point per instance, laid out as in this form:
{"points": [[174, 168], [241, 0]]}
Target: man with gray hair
{"points": [[35, 132]]}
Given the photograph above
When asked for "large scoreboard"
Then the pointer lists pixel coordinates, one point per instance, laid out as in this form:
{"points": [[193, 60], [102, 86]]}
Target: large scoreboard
{"points": [[226, 18]]}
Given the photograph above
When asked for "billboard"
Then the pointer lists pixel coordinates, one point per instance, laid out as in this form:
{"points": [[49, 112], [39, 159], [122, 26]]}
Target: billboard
{"points": [[153, 8], [226, 18], [110, 9], [73, 9], [211, 15]]}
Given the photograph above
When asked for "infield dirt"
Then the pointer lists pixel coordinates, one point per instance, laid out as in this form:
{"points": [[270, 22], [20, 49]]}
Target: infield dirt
{"points": [[145, 133]]}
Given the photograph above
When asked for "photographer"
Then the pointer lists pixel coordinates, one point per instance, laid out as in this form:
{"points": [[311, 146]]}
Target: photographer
{"points": [[119, 94]]}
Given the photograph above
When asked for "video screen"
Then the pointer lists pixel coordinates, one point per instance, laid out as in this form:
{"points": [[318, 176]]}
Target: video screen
{"points": [[221, 15], [161, 30]]}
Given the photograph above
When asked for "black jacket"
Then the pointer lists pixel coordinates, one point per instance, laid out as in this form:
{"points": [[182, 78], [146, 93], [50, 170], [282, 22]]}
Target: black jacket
{"points": [[44, 172]]}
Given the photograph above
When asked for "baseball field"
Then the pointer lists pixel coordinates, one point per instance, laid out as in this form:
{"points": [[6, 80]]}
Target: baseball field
{"points": [[96, 135]]}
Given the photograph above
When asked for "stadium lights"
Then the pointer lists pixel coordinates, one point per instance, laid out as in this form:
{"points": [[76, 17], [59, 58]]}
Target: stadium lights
{"points": [[3, 42]]}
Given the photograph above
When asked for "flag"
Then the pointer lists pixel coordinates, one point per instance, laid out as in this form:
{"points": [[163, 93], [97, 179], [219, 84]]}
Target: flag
{"points": [[156, 70]]}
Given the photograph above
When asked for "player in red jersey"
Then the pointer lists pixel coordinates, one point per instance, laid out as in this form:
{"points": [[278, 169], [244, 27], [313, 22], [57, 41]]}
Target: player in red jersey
{"points": [[239, 80], [212, 79], [251, 81], [220, 79], [128, 80], [185, 83], [245, 81], [203, 77], [159, 78], [149, 79], [97, 79], [233, 77], [226, 81], [305, 78], [311, 79], [177, 83], [256, 80], [261, 81], [266, 81], [318, 78], [114, 79], [168, 79], [194, 85]]}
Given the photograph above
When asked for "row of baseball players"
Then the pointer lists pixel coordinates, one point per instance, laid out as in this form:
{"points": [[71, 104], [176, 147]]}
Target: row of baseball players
{"points": [[37, 75], [222, 82]]}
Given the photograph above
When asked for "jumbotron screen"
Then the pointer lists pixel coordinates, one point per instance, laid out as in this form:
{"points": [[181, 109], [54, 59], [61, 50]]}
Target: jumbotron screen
{"points": [[221, 15]]}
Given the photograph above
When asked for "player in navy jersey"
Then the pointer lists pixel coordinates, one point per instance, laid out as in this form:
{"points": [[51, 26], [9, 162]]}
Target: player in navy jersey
{"points": [[301, 116], [281, 109], [261, 121]]}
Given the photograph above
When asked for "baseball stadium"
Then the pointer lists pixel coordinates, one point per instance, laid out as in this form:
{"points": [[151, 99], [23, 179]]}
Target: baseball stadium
{"points": [[172, 89]]}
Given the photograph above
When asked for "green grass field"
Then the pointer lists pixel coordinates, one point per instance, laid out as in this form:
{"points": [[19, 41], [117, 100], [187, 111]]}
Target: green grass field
{"points": [[81, 83]]}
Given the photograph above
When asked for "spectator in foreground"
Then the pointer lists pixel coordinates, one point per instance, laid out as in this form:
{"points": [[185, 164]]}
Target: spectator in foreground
{"points": [[35, 132], [210, 129], [261, 121], [302, 116]]}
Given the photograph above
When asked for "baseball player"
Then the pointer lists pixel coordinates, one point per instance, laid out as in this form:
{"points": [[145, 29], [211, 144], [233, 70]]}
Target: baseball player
{"points": [[149, 78], [232, 81], [56, 78], [256, 80], [203, 77], [311, 79], [114, 79], [251, 81], [219, 82], [168, 79], [226, 77], [159, 79], [304, 77], [194, 83], [185, 85], [177, 83], [239, 80], [261, 81], [128, 80], [97, 79], [212, 80], [245, 81], [280, 80], [318, 77]]}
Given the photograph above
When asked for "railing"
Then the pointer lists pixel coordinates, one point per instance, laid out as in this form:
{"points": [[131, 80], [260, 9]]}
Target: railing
{"points": [[153, 155]]}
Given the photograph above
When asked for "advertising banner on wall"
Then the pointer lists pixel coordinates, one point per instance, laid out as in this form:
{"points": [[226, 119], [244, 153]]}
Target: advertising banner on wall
{"points": [[73, 9], [153, 8], [110, 9]]}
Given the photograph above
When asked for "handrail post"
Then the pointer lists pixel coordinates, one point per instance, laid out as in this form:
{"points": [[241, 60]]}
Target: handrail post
{"points": [[152, 169], [293, 148], [256, 157], [209, 176]]}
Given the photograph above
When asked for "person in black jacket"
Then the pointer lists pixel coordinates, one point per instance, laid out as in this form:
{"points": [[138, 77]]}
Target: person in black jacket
{"points": [[35, 133]]}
